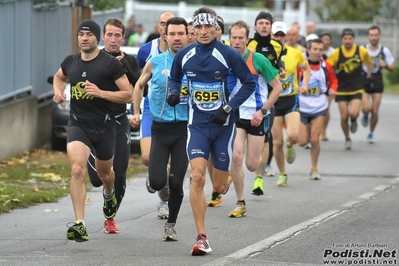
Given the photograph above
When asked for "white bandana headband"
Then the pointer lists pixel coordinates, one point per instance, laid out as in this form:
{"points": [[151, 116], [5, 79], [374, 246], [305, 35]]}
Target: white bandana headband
{"points": [[205, 19]]}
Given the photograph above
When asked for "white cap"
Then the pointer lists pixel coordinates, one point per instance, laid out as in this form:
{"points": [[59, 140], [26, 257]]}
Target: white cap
{"points": [[279, 26], [311, 36]]}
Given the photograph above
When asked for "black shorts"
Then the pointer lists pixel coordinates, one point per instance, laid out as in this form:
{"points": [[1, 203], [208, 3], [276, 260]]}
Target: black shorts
{"points": [[103, 145], [378, 84], [250, 129], [348, 98], [286, 105]]}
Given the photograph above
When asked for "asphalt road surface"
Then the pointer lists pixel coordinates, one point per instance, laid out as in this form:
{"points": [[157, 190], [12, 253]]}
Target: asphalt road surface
{"points": [[350, 217]]}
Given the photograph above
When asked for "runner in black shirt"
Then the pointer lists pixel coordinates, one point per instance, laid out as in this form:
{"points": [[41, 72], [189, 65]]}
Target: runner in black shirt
{"points": [[97, 80]]}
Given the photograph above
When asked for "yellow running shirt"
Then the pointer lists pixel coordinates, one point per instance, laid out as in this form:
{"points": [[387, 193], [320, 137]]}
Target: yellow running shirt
{"points": [[292, 58]]}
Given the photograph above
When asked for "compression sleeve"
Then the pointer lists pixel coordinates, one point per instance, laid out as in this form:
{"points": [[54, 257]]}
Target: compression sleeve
{"points": [[132, 68]]}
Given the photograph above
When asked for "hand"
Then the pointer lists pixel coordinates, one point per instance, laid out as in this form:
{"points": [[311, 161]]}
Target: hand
{"points": [[331, 93], [135, 120], [174, 99], [219, 117], [92, 89], [303, 90], [257, 118], [59, 97], [120, 57]]}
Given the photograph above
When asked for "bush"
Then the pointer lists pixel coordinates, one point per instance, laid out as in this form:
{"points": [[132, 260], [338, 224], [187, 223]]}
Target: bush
{"points": [[393, 76]]}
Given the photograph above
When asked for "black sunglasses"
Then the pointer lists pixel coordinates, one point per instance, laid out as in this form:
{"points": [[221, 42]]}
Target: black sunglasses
{"points": [[279, 34]]}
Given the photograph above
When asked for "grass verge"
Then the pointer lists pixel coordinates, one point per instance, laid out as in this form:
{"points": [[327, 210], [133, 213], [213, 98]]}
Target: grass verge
{"points": [[42, 175], [393, 89]]}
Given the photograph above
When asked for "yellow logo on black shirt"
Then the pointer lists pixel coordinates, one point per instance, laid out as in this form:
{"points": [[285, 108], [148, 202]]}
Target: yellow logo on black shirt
{"points": [[79, 92], [350, 65]]}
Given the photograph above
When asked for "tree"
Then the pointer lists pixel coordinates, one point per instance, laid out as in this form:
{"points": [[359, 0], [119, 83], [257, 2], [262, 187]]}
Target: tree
{"points": [[103, 4], [388, 8], [348, 10]]}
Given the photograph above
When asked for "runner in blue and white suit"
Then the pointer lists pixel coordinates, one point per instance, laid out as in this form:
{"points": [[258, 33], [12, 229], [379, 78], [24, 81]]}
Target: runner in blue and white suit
{"points": [[212, 69]]}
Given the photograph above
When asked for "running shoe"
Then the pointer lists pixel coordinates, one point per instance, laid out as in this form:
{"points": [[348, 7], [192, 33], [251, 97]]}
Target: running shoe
{"points": [[314, 175], [170, 232], [77, 232], [353, 126], [370, 138], [147, 185], [365, 120], [282, 181], [110, 207], [308, 146], [215, 200], [257, 188], [110, 227], [291, 153], [348, 144], [239, 211], [163, 211], [324, 136], [269, 170], [201, 247]]}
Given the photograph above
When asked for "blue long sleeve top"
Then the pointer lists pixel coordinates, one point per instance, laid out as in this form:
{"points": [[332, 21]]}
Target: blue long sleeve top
{"points": [[212, 71]]}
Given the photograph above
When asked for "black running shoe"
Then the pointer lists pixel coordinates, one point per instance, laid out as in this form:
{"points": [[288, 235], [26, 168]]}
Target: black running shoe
{"points": [[110, 207], [77, 232]]}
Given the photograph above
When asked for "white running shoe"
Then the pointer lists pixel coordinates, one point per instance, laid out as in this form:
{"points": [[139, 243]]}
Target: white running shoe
{"points": [[348, 144], [269, 171], [163, 211], [314, 175]]}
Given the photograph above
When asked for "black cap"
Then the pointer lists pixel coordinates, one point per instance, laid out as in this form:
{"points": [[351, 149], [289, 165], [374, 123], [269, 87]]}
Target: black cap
{"points": [[221, 26], [264, 15], [92, 26], [348, 32], [325, 34]]}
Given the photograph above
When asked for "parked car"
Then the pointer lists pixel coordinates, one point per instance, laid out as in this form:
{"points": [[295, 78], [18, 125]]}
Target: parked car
{"points": [[60, 116]]}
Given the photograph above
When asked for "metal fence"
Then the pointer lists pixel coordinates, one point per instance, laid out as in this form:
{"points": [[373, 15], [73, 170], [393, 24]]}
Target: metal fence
{"points": [[33, 44]]}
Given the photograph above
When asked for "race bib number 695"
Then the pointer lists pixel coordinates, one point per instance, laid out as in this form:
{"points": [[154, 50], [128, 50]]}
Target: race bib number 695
{"points": [[207, 96]]}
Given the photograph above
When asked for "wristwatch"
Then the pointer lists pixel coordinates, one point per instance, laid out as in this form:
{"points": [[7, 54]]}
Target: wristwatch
{"points": [[227, 108], [263, 110]]}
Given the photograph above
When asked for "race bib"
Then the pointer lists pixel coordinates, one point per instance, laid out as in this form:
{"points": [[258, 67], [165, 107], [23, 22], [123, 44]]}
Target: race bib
{"points": [[288, 85], [184, 95], [207, 96], [314, 88]]}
